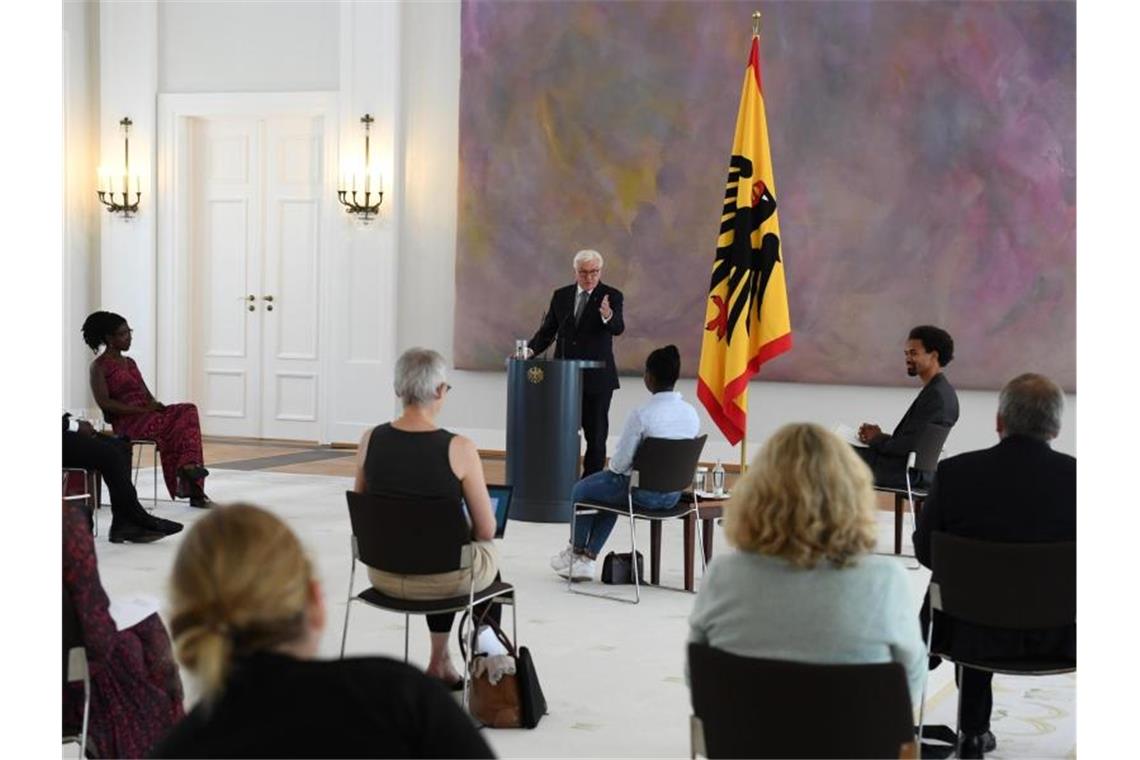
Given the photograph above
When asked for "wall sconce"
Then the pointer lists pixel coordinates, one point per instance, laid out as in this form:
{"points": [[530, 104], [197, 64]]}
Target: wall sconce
{"points": [[123, 184], [361, 190]]}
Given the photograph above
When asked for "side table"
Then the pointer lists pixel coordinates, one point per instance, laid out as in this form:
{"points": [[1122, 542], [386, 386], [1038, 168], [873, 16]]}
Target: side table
{"points": [[710, 510]]}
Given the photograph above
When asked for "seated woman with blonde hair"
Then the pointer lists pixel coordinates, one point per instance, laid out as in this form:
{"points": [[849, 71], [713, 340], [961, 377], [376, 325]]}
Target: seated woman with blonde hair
{"points": [[247, 616], [802, 586]]}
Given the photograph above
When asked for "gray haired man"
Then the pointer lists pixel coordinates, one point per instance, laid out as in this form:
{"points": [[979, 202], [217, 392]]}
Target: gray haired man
{"points": [[1019, 491]]}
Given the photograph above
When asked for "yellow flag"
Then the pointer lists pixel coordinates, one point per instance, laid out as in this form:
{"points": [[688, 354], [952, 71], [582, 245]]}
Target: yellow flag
{"points": [[746, 317]]}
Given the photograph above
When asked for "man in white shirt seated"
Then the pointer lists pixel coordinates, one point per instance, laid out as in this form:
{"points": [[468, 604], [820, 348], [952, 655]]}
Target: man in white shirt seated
{"points": [[664, 415]]}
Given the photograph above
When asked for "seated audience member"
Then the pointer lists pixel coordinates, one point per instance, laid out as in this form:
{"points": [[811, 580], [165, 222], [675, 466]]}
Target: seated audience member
{"points": [[136, 694], [111, 458], [803, 586], [1017, 491], [247, 617], [412, 457], [665, 415], [928, 350], [127, 404]]}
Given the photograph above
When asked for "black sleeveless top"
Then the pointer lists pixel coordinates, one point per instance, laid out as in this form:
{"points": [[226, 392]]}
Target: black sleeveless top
{"points": [[410, 465]]}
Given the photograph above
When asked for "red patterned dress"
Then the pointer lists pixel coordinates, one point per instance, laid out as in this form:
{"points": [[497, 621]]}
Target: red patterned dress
{"points": [[175, 429], [136, 693]]}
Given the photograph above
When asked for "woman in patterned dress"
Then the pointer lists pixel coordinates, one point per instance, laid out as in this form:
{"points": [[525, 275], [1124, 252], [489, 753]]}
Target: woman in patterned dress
{"points": [[136, 693], [127, 403]]}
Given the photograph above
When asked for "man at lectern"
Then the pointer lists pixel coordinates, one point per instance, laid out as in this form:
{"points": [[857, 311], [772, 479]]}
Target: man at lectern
{"points": [[581, 322]]}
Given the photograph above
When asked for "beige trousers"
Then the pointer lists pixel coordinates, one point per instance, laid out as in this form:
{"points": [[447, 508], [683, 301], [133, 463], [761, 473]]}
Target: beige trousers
{"points": [[484, 564]]}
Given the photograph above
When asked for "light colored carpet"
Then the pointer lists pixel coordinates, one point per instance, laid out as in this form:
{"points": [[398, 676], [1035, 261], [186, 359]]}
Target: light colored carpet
{"points": [[612, 673]]}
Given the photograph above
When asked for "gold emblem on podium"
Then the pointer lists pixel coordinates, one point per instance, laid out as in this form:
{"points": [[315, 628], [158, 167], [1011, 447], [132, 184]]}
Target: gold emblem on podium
{"points": [[535, 375]]}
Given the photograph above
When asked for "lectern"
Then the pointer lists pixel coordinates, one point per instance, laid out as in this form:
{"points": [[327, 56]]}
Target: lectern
{"points": [[544, 412]]}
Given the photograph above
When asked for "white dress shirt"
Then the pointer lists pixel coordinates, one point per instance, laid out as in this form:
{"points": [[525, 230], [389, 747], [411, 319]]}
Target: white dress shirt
{"points": [[664, 415]]}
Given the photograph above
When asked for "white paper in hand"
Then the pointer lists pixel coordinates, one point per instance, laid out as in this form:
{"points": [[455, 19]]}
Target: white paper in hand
{"points": [[131, 610]]}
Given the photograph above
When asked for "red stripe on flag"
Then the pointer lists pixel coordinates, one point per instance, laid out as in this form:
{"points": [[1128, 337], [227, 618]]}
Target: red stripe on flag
{"points": [[754, 63], [769, 350], [732, 431]]}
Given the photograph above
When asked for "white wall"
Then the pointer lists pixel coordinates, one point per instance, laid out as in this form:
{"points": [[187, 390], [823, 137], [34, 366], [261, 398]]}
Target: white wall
{"points": [[248, 45], [81, 207], [477, 403]]}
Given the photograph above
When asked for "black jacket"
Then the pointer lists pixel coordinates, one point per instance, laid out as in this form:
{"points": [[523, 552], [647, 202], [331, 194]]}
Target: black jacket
{"points": [[590, 338], [936, 403], [276, 706], [1017, 491]]}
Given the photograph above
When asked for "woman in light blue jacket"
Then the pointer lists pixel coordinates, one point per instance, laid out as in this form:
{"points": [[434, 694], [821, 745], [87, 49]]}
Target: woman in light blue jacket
{"points": [[803, 585]]}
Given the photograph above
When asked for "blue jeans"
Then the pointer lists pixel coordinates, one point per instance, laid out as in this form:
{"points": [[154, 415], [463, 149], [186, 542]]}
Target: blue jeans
{"points": [[591, 531]]}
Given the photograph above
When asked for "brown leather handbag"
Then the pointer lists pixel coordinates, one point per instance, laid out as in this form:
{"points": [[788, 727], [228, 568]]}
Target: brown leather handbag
{"points": [[516, 701]]}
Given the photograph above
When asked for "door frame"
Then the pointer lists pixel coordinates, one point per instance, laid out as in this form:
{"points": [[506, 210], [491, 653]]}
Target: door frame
{"points": [[173, 193]]}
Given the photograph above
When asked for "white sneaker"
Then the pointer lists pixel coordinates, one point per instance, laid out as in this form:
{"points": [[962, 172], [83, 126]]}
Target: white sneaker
{"points": [[561, 561], [582, 569]]}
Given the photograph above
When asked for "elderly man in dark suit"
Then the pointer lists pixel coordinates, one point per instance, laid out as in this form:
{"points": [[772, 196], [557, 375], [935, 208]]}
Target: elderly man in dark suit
{"points": [[928, 350], [581, 321], [1017, 491]]}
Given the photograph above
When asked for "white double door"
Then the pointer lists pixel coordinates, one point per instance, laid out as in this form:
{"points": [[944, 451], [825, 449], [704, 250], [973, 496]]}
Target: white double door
{"points": [[255, 262]]}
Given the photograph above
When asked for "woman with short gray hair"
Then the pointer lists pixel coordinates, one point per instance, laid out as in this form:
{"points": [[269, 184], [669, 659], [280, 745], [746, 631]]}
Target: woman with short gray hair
{"points": [[412, 457]]}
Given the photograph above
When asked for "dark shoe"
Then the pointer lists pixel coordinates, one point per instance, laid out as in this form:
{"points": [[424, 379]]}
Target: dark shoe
{"points": [[134, 534], [162, 525], [976, 745], [201, 501], [195, 472]]}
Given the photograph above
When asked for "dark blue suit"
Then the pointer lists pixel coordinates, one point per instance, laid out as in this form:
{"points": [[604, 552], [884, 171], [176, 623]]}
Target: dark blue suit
{"points": [[586, 338], [1017, 491]]}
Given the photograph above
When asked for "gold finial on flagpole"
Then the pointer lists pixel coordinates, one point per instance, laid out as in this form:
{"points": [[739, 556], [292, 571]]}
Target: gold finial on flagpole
{"points": [[755, 23]]}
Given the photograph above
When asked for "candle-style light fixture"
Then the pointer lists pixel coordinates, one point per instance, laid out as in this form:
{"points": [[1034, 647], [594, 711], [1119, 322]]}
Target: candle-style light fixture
{"points": [[361, 190], [117, 188]]}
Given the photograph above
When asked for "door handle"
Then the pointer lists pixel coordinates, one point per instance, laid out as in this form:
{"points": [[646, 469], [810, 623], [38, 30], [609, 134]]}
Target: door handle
{"points": [[250, 297], [265, 298]]}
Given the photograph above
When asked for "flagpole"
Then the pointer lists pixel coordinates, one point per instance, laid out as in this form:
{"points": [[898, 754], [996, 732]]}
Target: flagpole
{"points": [[744, 438]]}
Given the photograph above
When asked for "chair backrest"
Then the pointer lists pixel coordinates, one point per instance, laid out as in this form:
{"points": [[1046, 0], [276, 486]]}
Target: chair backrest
{"points": [[929, 447], [753, 707], [666, 464], [409, 536], [1023, 586]]}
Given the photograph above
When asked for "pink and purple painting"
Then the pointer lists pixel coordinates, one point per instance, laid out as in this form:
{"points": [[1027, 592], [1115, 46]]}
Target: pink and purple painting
{"points": [[924, 156]]}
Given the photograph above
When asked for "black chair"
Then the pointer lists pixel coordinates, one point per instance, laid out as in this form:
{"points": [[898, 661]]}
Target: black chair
{"points": [[1037, 592], [75, 671], [416, 537], [660, 464], [923, 459], [750, 707]]}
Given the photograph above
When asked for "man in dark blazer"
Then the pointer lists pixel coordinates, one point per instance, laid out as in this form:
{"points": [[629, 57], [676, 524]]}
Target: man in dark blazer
{"points": [[1018, 491], [84, 448], [581, 321], [928, 350]]}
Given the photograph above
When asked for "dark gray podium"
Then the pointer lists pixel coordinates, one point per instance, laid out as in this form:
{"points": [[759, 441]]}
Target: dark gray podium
{"points": [[544, 412]]}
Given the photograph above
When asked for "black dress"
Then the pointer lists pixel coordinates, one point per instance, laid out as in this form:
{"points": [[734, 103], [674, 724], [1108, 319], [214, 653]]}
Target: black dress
{"points": [[274, 705]]}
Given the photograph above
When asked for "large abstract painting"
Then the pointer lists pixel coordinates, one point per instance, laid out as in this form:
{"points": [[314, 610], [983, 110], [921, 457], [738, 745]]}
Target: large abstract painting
{"points": [[924, 157]]}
